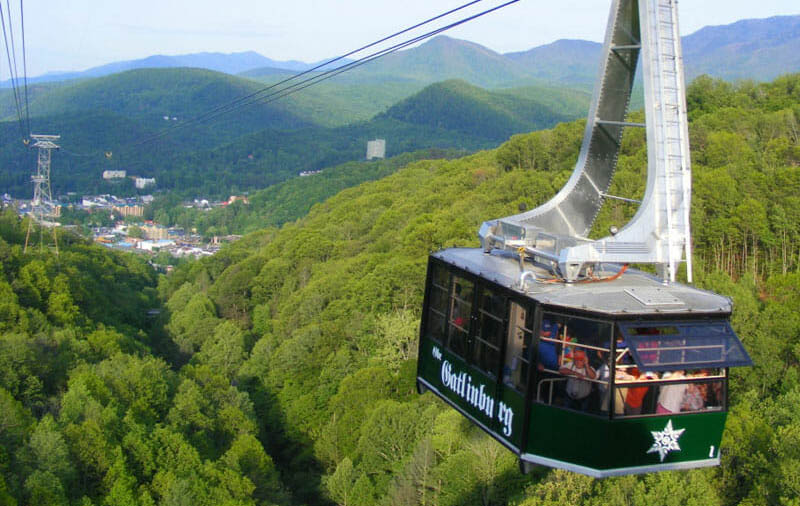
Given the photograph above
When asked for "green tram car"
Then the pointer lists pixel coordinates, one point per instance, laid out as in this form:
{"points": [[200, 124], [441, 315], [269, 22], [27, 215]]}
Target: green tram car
{"points": [[624, 376]]}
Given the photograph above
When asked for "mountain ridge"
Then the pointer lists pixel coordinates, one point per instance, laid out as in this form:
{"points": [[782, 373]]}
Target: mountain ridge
{"points": [[767, 48], [265, 144], [229, 63], [777, 37]]}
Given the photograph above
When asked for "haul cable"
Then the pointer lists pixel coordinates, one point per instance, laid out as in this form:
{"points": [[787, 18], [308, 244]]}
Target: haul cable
{"points": [[334, 72], [253, 98], [12, 68]]}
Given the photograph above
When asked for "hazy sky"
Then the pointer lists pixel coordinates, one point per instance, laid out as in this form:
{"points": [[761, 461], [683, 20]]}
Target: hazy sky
{"points": [[78, 34]]}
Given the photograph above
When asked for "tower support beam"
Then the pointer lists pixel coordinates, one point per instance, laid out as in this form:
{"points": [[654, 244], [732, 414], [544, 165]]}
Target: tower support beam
{"points": [[42, 206]]}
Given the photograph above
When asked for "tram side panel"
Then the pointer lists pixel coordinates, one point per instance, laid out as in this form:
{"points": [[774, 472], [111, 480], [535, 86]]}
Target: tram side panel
{"points": [[472, 393], [586, 443]]}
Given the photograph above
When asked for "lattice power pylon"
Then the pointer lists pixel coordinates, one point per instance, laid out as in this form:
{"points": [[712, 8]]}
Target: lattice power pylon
{"points": [[42, 206]]}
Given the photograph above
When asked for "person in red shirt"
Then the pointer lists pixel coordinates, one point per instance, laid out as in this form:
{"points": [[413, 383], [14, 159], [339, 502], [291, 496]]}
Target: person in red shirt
{"points": [[635, 395]]}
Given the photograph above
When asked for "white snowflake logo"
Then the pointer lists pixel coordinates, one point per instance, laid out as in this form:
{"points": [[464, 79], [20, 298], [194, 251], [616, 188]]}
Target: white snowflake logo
{"points": [[665, 441]]}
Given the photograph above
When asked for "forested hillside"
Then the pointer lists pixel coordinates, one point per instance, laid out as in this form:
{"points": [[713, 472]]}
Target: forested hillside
{"points": [[114, 114], [461, 107], [332, 303], [284, 371], [258, 146], [94, 406], [148, 95], [282, 202]]}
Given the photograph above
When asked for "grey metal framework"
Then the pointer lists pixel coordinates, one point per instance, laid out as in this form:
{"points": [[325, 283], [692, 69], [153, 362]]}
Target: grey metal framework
{"points": [[634, 295], [659, 233], [42, 206]]}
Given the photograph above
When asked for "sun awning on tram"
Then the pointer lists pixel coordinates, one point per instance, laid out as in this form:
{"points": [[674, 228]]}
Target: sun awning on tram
{"points": [[669, 346]]}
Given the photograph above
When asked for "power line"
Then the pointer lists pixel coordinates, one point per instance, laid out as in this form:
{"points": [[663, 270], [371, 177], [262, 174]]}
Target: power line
{"points": [[24, 66], [334, 72], [12, 68], [253, 98], [80, 155]]}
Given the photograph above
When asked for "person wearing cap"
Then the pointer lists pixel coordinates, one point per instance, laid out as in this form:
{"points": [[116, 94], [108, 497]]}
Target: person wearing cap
{"points": [[548, 351], [578, 389]]}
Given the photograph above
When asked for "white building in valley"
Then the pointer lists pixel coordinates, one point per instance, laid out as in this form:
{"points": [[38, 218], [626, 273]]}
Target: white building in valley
{"points": [[144, 182], [376, 149], [114, 174]]}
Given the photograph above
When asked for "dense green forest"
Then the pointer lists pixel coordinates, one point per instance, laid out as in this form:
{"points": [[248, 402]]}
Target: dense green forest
{"points": [[281, 370], [455, 105], [282, 202], [95, 407]]}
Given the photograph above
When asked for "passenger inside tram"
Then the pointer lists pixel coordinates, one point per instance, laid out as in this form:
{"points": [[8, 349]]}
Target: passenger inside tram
{"points": [[579, 379]]}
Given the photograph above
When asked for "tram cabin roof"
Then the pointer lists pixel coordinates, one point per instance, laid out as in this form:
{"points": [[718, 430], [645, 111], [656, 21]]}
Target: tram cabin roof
{"points": [[634, 293]]}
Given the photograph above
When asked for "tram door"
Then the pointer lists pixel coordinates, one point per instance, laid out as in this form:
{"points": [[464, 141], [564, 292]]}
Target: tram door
{"points": [[486, 354], [516, 369], [475, 350]]}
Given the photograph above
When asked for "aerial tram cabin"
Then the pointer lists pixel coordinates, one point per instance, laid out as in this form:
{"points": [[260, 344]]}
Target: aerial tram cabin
{"points": [[607, 378], [547, 341]]}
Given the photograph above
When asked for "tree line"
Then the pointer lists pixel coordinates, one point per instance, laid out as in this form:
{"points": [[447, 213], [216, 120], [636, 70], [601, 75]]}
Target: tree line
{"points": [[281, 370], [333, 301]]}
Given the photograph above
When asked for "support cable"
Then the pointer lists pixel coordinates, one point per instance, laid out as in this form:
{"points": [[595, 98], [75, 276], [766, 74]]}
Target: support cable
{"points": [[329, 62], [24, 68], [13, 46], [254, 98], [11, 69]]}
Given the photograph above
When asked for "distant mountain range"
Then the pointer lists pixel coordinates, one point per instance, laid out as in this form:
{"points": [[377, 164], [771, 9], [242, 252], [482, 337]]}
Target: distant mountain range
{"points": [[759, 49], [755, 49], [230, 63], [259, 145], [446, 93], [563, 61]]}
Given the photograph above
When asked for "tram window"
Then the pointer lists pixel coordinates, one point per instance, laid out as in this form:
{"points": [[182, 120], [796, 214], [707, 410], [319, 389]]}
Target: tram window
{"points": [[693, 396], [574, 363], [437, 308], [672, 391], [441, 276], [660, 346], [704, 395], [459, 319], [518, 349], [486, 351]]}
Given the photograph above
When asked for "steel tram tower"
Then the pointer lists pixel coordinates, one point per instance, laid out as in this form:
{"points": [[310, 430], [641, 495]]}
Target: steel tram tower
{"points": [[510, 331], [42, 206], [659, 233]]}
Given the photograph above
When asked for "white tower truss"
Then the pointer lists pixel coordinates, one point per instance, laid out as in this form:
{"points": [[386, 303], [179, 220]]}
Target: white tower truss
{"points": [[42, 205], [659, 233]]}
